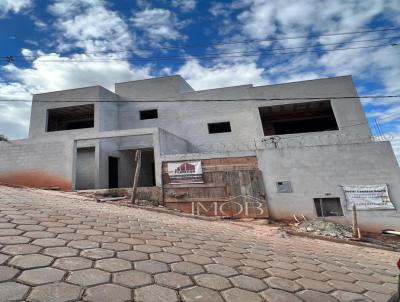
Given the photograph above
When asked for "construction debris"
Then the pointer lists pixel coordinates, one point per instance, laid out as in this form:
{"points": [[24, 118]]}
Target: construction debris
{"points": [[110, 199], [325, 228]]}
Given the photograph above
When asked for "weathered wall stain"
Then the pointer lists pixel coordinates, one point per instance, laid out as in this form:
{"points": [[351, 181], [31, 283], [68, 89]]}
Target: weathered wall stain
{"points": [[36, 179]]}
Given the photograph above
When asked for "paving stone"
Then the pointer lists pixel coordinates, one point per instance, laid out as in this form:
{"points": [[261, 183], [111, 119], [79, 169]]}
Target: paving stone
{"points": [[199, 259], [222, 270], [206, 253], [350, 297], [313, 296], [97, 253], [255, 263], [39, 234], [72, 263], [282, 273], [107, 293], [187, 268], [60, 230], [10, 232], [117, 246], [55, 292], [256, 256], [31, 227], [248, 283], [312, 275], [155, 293], [89, 232], [276, 295], [49, 242], [61, 251], [132, 241], [378, 297], [284, 284], [113, 264], [346, 286], [212, 281], [375, 287], [252, 272], [83, 244], [21, 249], [7, 225], [41, 275], [14, 239], [7, 273], [165, 257], [31, 261], [151, 266], [101, 238], [12, 291], [71, 236], [315, 285], [89, 277], [200, 294], [132, 278], [240, 295], [147, 248], [132, 255], [282, 265], [227, 261], [176, 250], [172, 279]]}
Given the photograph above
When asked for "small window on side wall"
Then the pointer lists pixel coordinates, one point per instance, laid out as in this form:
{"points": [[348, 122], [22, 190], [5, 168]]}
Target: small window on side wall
{"points": [[219, 127], [328, 207], [148, 114]]}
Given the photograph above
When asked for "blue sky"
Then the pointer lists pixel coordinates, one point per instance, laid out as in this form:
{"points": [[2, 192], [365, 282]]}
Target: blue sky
{"points": [[52, 42]]}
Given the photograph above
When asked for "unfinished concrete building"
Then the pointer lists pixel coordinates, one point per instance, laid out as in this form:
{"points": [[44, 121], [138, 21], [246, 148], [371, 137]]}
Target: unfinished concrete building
{"points": [[292, 146]]}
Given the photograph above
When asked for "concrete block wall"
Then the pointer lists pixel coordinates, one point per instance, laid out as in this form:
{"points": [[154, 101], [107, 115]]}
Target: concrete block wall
{"points": [[188, 120], [319, 171], [37, 163]]}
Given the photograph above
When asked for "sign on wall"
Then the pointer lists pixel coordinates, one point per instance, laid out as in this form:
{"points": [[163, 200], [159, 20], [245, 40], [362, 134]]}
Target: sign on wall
{"points": [[185, 172], [368, 197]]}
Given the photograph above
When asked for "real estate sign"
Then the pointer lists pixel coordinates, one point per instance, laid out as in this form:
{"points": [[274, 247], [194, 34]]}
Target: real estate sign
{"points": [[368, 197], [185, 172]]}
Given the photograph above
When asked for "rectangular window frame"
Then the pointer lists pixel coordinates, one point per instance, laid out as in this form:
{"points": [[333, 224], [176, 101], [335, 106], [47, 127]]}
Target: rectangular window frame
{"points": [[321, 211]]}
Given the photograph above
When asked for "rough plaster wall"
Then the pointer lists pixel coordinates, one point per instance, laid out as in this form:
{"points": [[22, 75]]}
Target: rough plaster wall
{"points": [[36, 163], [317, 171], [188, 120], [37, 127], [172, 144], [85, 168]]}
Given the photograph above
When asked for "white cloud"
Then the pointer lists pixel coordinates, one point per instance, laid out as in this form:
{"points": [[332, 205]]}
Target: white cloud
{"points": [[202, 77], [184, 5], [14, 6], [158, 24], [90, 25]]}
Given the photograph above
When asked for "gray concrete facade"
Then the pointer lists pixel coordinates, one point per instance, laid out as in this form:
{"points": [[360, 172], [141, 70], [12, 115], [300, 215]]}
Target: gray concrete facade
{"points": [[316, 163]]}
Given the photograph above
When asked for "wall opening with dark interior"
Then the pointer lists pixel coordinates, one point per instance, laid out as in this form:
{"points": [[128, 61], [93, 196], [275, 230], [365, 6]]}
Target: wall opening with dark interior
{"points": [[219, 127], [127, 166], [328, 207], [298, 118], [148, 114], [69, 118]]}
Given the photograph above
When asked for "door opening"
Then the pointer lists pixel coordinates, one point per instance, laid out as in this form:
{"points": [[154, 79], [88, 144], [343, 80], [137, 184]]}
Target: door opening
{"points": [[112, 172]]}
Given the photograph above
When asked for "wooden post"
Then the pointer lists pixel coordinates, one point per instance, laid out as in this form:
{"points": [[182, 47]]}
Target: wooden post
{"points": [[355, 224], [138, 160]]}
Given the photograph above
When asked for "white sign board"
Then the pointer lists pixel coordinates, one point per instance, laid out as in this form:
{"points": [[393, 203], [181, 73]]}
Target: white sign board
{"points": [[368, 197], [185, 172]]}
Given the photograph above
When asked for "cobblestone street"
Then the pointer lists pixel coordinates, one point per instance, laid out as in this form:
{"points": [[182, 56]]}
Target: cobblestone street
{"points": [[57, 248]]}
